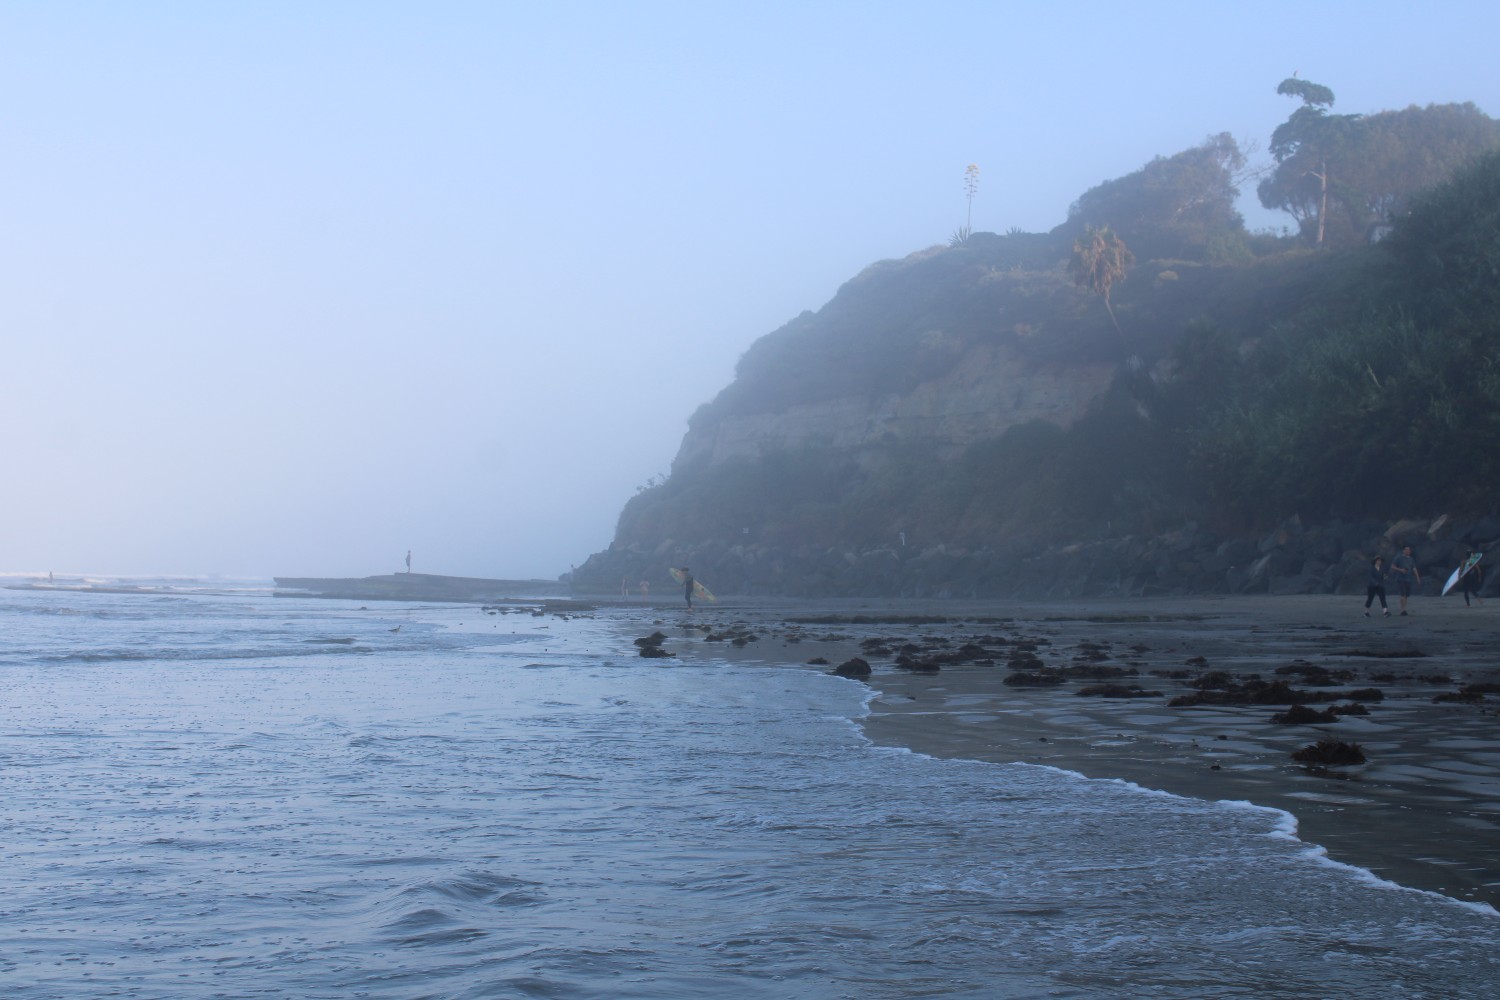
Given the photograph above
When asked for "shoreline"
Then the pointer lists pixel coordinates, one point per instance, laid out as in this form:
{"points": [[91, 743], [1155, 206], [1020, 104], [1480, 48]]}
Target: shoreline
{"points": [[1423, 812]]}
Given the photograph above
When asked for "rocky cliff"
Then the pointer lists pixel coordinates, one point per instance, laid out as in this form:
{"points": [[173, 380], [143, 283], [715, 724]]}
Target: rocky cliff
{"points": [[949, 346], [991, 418], [989, 389], [896, 424]]}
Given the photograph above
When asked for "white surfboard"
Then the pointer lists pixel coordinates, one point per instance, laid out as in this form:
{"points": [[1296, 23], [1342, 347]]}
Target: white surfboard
{"points": [[1468, 564]]}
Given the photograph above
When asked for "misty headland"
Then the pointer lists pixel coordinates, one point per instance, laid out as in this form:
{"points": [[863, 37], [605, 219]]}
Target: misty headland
{"points": [[1148, 399]]}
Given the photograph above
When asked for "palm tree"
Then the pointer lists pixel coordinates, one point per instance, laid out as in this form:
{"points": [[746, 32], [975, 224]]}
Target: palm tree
{"points": [[1099, 262]]}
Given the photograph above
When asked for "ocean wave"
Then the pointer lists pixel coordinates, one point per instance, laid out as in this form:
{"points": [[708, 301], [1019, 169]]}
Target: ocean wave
{"points": [[180, 654]]}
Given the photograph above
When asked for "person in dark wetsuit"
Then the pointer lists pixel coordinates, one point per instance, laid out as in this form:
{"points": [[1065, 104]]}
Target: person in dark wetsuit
{"points": [[687, 586], [1375, 587], [1471, 582]]}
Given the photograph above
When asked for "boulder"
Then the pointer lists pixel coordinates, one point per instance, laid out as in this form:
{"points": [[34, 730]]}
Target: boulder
{"points": [[1298, 583], [1283, 562], [1408, 532], [1324, 546], [1353, 572], [853, 667], [1285, 534]]}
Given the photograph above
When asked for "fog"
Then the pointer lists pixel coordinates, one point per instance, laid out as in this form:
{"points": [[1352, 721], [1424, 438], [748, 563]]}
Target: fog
{"points": [[296, 288]]}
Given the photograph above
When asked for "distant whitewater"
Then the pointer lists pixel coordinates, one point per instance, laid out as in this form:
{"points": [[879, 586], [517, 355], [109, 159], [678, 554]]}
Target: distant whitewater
{"points": [[230, 795]]}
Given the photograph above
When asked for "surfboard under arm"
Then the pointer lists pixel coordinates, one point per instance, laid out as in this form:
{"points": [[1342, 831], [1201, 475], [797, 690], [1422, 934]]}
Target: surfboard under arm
{"points": [[699, 591], [1458, 574]]}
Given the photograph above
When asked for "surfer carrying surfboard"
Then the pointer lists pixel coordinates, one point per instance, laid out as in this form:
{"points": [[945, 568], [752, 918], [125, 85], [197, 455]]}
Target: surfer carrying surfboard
{"points": [[1404, 567], [1472, 580], [691, 588]]}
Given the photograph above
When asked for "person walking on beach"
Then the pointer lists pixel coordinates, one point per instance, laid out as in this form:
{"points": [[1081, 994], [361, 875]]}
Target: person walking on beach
{"points": [[1375, 587], [1405, 568], [687, 586], [1472, 581]]}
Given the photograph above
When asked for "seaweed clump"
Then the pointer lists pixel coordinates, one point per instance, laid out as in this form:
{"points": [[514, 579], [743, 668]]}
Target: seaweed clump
{"points": [[1116, 691], [1469, 694], [1253, 692], [1330, 753], [1301, 715]]}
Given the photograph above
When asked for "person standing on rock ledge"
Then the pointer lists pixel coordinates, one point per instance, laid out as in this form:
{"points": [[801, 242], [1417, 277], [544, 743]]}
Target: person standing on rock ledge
{"points": [[1375, 587], [1405, 568]]}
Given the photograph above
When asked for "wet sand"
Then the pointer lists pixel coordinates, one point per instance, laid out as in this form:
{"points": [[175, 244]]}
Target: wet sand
{"points": [[1423, 811]]}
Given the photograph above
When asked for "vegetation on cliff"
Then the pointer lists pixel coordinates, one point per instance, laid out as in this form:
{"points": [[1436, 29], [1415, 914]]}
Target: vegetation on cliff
{"points": [[1382, 400], [1257, 377], [1342, 177]]}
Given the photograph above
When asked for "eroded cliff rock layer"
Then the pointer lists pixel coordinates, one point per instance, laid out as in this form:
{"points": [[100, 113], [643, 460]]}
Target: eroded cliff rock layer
{"points": [[990, 389]]}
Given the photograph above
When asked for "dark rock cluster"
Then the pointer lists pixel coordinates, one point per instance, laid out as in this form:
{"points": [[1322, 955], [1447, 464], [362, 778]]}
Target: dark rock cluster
{"points": [[1301, 715], [1469, 694], [651, 646], [1220, 689]]}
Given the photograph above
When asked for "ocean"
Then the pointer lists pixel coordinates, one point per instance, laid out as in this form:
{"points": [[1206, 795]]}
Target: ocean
{"points": [[227, 794]]}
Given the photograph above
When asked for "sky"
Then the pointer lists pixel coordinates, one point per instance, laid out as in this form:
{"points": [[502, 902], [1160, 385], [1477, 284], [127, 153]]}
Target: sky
{"points": [[294, 288]]}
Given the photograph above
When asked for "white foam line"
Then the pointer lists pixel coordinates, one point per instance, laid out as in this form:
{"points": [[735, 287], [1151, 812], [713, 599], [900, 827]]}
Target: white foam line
{"points": [[1286, 829]]}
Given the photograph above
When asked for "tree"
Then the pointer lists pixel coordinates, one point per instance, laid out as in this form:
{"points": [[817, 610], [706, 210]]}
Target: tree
{"points": [[1175, 207], [1446, 257], [1341, 176], [1401, 153], [1303, 146], [1100, 259], [1382, 398], [1312, 94]]}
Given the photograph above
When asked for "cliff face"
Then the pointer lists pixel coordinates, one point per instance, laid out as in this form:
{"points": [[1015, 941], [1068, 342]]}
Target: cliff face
{"points": [[959, 408], [989, 390], [844, 428], [947, 347]]}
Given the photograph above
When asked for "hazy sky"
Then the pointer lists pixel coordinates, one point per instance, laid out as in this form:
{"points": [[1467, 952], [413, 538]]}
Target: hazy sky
{"points": [[292, 288]]}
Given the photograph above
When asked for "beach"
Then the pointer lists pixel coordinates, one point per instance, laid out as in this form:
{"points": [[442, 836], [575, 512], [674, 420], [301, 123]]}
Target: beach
{"points": [[1423, 811]]}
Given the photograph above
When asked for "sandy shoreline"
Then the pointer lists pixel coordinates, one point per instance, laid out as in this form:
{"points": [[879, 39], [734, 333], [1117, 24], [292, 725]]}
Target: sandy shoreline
{"points": [[1423, 811]]}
